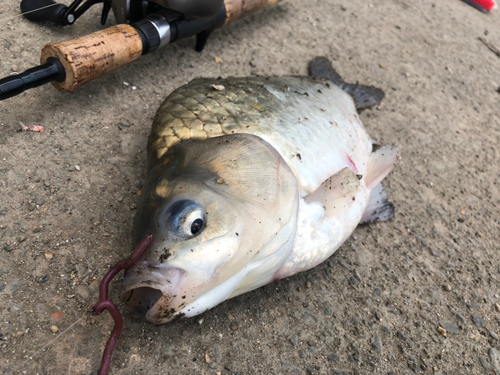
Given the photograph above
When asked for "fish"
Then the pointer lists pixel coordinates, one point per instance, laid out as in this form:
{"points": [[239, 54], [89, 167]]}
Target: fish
{"points": [[252, 180]]}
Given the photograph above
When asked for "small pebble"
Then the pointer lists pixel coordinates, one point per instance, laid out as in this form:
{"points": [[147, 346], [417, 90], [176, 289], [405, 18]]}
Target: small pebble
{"points": [[442, 331], [478, 321], [77, 167], [49, 256], [56, 315], [497, 306], [54, 329], [377, 344], [493, 334], [43, 279], [485, 363], [333, 357], [207, 358], [449, 326], [447, 287], [308, 284], [403, 336], [495, 359], [473, 306], [459, 316], [217, 59], [385, 329], [124, 123]]}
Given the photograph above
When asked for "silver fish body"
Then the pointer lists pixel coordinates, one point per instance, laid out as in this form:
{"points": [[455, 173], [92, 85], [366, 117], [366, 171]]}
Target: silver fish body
{"points": [[250, 180]]}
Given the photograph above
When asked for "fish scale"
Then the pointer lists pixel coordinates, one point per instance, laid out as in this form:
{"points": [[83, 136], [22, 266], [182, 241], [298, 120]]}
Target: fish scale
{"points": [[203, 112]]}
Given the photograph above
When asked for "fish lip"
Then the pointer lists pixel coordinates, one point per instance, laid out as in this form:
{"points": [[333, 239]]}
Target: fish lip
{"points": [[157, 285]]}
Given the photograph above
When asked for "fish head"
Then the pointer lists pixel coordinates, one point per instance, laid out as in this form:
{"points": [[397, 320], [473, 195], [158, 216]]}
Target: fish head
{"points": [[211, 206]]}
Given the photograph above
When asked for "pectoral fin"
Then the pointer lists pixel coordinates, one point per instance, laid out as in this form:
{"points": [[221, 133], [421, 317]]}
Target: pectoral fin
{"points": [[327, 217], [338, 193]]}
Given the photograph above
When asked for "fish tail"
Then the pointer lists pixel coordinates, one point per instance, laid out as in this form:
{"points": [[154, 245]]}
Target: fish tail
{"points": [[378, 207]]}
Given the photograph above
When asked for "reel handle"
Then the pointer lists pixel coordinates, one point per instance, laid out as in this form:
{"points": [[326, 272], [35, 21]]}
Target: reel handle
{"points": [[236, 9], [43, 10]]}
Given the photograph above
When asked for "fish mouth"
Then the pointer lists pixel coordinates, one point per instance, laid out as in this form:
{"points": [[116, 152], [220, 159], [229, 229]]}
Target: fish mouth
{"points": [[140, 300], [149, 290]]}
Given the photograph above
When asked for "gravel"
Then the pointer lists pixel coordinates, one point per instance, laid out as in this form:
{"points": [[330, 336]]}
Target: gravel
{"points": [[440, 107]]}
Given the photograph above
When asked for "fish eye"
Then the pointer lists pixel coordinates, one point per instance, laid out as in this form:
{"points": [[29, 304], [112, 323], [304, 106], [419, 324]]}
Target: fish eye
{"points": [[185, 218], [196, 226]]}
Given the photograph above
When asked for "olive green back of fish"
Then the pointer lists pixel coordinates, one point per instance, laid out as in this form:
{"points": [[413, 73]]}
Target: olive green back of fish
{"points": [[207, 108]]}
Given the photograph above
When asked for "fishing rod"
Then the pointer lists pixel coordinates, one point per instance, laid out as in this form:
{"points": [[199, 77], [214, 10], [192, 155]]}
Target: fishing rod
{"points": [[143, 27]]}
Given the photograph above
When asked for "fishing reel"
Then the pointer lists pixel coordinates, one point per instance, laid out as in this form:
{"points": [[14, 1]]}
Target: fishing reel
{"points": [[201, 15], [125, 11], [143, 27]]}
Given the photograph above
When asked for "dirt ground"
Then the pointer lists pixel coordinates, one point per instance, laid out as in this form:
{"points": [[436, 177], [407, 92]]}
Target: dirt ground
{"points": [[69, 195]]}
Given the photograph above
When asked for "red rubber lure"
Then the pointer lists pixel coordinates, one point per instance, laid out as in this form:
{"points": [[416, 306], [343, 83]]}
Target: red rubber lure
{"points": [[105, 304]]}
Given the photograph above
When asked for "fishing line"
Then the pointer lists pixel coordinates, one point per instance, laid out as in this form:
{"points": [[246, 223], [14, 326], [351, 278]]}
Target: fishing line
{"points": [[10, 18], [52, 341]]}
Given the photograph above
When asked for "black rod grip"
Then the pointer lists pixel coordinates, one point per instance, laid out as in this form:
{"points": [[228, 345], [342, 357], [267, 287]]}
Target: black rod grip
{"points": [[34, 77], [43, 10]]}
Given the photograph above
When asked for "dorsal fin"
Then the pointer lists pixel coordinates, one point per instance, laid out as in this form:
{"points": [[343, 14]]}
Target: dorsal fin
{"points": [[364, 96]]}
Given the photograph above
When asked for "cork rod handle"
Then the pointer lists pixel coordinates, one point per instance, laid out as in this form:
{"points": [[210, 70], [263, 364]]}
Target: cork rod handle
{"points": [[236, 9], [90, 57]]}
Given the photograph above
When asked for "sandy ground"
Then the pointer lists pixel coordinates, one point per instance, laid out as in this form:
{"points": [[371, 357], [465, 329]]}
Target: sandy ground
{"points": [[68, 198]]}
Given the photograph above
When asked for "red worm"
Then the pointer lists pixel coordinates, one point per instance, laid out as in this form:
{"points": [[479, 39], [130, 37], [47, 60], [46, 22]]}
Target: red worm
{"points": [[105, 304]]}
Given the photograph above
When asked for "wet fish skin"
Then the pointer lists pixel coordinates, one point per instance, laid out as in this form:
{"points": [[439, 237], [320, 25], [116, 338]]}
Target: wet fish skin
{"points": [[280, 171]]}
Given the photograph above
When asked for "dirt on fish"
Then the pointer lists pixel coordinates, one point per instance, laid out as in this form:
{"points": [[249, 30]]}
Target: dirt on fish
{"points": [[375, 306]]}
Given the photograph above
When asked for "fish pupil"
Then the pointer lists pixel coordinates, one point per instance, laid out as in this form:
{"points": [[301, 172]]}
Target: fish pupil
{"points": [[196, 226]]}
